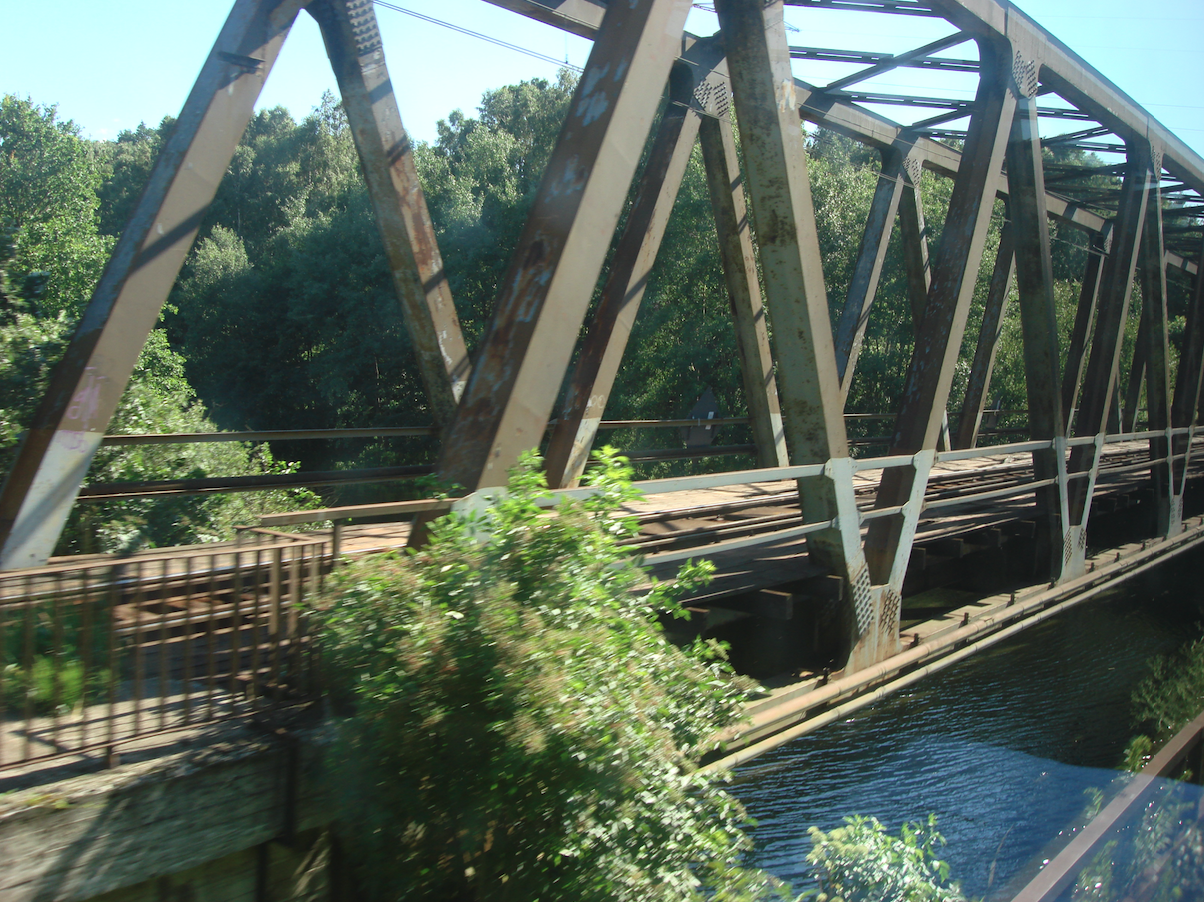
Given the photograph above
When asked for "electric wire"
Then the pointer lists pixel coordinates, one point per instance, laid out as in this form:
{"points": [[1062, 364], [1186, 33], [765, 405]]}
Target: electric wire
{"points": [[517, 48]]}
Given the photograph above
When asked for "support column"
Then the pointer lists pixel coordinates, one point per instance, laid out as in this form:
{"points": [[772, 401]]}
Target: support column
{"points": [[930, 374], [726, 186], [88, 382], [353, 44], [1072, 377], [543, 298], [850, 331], [606, 339], [754, 35], [975, 400], [1101, 380], [1039, 323]]}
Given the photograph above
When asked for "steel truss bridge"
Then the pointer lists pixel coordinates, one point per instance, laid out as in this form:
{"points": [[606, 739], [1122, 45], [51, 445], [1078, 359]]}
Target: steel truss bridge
{"points": [[850, 526]]}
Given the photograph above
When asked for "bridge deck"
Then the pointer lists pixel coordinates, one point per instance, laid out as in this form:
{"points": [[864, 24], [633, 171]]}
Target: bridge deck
{"points": [[697, 519]]}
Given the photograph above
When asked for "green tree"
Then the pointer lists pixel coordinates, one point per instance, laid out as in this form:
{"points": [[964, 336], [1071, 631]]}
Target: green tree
{"points": [[51, 255]]}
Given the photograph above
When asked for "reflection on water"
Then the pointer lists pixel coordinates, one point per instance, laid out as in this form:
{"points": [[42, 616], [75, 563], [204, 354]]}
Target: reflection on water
{"points": [[1005, 747]]}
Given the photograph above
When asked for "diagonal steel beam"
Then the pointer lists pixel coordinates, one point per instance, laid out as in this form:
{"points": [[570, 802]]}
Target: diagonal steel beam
{"points": [[87, 385], [1187, 386], [776, 159], [975, 399], [1157, 369], [1102, 376], [1038, 319], [1141, 347], [913, 234], [726, 187], [902, 59], [544, 295], [353, 44], [1072, 375], [850, 330], [930, 374], [754, 37], [606, 339]]}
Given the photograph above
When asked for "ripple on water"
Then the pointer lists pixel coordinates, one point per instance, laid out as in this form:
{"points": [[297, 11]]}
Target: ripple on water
{"points": [[1003, 747]]}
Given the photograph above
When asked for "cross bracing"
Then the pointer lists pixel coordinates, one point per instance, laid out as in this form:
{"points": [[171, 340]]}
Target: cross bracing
{"points": [[735, 91]]}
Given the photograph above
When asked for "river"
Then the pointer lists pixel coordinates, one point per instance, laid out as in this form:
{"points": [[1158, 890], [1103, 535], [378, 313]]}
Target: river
{"points": [[1004, 747]]}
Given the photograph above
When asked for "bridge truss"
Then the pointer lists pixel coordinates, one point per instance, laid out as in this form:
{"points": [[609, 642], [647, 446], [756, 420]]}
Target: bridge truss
{"points": [[735, 88]]}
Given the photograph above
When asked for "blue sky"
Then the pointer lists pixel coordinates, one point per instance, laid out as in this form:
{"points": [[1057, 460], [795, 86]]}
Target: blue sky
{"points": [[110, 65]]}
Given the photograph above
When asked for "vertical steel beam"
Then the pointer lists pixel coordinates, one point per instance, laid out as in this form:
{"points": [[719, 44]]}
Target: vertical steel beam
{"points": [[1101, 379], [930, 374], [606, 339], [726, 187], [850, 330], [544, 295], [87, 385], [754, 37], [1157, 370], [975, 399], [1076, 352], [353, 44], [1038, 320]]}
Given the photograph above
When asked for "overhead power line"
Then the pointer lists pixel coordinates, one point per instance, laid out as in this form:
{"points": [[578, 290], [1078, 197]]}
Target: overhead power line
{"points": [[535, 54]]}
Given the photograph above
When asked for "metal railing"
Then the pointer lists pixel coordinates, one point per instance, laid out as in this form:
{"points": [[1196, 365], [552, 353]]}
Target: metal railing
{"points": [[97, 654]]}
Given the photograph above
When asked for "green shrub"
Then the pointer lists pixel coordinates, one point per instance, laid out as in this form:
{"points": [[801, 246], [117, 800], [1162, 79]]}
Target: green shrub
{"points": [[861, 862], [520, 729]]}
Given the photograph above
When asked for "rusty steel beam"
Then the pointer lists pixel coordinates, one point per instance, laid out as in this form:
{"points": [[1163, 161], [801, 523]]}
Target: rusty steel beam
{"points": [[975, 399], [754, 37], [726, 187], [543, 297], [1103, 364], [776, 159], [1038, 314], [87, 384], [1072, 375], [850, 330], [353, 44], [930, 374], [606, 339]]}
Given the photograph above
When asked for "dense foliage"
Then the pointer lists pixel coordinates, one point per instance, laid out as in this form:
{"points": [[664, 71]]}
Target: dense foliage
{"points": [[521, 728], [52, 251]]}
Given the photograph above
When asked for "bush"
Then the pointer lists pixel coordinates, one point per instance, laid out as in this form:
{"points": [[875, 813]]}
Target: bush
{"points": [[520, 727], [861, 862]]}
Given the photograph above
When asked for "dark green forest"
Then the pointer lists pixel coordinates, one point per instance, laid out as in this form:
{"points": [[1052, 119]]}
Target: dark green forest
{"points": [[284, 315]]}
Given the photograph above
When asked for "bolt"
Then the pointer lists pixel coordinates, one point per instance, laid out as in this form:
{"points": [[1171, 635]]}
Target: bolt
{"points": [[965, 618], [1117, 561], [1012, 600]]}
